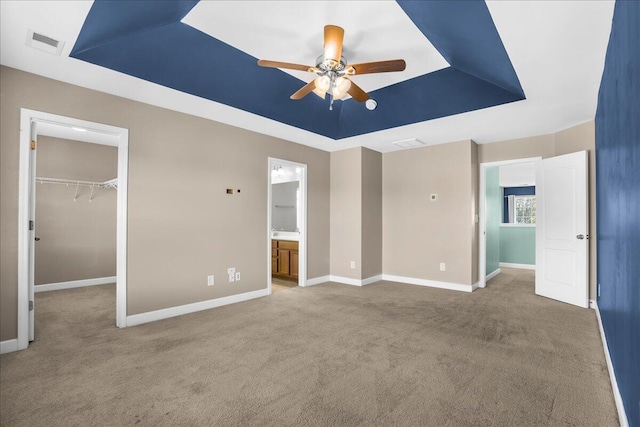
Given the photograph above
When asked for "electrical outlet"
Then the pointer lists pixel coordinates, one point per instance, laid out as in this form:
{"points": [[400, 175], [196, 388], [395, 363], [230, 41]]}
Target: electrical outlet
{"points": [[211, 280], [238, 276], [231, 270], [442, 266], [353, 264], [232, 277]]}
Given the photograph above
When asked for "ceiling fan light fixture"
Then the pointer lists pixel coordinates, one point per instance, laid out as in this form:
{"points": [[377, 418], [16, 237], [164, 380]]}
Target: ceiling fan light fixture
{"points": [[341, 87], [323, 83], [319, 93]]}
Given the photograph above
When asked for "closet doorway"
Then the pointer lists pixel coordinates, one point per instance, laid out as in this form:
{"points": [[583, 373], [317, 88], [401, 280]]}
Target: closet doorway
{"points": [[72, 212], [287, 225]]}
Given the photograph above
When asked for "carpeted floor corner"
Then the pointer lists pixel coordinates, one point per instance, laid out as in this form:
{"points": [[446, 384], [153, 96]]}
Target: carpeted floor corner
{"points": [[380, 355]]}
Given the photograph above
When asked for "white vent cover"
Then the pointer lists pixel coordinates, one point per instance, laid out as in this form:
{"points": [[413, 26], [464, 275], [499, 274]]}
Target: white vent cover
{"points": [[409, 143], [44, 43]]}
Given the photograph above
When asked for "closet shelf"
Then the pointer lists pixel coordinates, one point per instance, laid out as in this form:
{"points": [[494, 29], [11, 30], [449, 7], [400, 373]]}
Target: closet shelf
{"points": [[112, 183]]}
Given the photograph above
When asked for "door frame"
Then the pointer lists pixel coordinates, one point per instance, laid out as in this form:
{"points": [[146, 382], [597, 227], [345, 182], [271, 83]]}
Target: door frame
{"points": [[27, 174], [302, 242], [482, 241]]}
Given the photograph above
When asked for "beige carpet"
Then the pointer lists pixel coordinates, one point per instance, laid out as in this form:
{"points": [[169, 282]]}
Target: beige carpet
{"points": [[333, 355]]}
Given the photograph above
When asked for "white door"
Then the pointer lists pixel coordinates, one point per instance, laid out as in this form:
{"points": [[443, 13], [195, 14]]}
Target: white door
{"points": [[562, 239], [32, 223]]}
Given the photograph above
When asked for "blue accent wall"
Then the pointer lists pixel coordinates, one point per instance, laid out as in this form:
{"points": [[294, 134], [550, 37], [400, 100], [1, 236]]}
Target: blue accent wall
{"points": [[618, 200], [516, 191]]}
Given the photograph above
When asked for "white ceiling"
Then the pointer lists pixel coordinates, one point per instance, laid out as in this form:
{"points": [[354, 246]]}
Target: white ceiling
{"points": [[557, 49], [300, 40]]}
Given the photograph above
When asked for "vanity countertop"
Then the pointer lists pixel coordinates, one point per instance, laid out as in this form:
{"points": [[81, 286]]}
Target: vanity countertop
{"points": [[286, 235]]}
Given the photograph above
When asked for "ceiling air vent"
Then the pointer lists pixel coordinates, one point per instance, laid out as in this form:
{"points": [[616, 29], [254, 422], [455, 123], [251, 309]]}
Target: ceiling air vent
{"points": [[409, 143], [44, 43]]}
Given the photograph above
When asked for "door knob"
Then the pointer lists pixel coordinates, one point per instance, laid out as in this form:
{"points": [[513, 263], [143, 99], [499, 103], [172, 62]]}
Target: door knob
{"points": [[37, 238], [580, 236]]}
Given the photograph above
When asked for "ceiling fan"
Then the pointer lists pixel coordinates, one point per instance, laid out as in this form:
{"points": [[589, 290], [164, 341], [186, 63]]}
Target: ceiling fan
{"points": [[332, 70]]}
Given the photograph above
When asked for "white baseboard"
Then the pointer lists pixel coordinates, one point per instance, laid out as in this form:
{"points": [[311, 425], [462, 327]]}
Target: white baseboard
{"points": [[355, 282], [492, 275], [74, 284], [8, 346], [166, 313], [345, 280], [317, 280], [475, 286], [372, 279], [522, 266], [622, 415], [430, 283]]}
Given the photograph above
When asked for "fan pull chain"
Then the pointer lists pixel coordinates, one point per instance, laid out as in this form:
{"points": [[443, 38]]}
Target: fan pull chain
{"points": [[332, 86]]}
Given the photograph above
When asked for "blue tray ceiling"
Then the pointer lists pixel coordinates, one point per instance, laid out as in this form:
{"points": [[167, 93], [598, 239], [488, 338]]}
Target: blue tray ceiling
{"points": [[147, 39]]}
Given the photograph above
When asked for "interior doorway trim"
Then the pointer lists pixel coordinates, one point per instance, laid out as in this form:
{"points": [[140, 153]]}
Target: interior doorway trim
{"points": [[302, 242], [482, 218], [120, 139]]}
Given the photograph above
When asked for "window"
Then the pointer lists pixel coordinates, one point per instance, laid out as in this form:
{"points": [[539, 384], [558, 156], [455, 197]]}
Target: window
{"points": [[525, 209]]}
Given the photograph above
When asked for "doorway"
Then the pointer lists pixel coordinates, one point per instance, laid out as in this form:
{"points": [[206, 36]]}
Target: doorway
{"points": [[561, 226], [287, 224], [500, 184], [35, 123]]}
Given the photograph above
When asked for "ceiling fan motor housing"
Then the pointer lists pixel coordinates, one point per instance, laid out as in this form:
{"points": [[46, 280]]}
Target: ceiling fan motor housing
{"points": [[330, 65]]}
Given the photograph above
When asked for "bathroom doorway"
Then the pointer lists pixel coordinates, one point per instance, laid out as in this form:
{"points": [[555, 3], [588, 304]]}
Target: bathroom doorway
{"points": [[287, 225]]}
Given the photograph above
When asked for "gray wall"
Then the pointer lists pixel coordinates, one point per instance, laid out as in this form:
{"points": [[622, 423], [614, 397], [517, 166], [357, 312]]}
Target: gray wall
{"points": [[371, 213], [77, 239], [356, 213], [419, 234], [346, 213], [182, 224]]}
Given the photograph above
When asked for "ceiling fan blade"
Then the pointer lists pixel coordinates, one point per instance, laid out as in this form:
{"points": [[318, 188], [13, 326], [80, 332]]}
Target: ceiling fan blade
{"points": [[287, 65], [305, 90], [377, 67], [357, 93], [333, 37]]}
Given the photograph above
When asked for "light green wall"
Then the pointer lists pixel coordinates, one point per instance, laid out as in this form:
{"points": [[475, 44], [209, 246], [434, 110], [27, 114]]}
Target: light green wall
{"points": [[518, 245], [493, 207]]}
